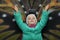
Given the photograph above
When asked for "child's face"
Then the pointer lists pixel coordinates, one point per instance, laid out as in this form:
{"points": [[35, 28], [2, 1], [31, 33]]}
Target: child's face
{"points": [[31, 19]]}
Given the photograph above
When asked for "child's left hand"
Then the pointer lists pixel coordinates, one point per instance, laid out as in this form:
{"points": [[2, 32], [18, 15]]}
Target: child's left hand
{"points": [[47, 7]]}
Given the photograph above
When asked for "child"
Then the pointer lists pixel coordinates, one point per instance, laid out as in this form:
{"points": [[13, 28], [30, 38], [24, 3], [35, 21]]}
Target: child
{"points": [[31, 29]]}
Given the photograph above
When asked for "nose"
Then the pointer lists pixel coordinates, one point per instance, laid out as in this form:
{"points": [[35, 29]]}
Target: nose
{"points": [[32, 20]]}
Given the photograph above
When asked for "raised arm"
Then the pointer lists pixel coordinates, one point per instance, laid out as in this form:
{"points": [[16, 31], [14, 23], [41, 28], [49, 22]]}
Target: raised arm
{"points": [[41, 24], [18, 18]]}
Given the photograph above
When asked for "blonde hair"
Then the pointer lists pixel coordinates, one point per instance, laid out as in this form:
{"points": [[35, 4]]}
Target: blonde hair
{"points": [[27, 18]]}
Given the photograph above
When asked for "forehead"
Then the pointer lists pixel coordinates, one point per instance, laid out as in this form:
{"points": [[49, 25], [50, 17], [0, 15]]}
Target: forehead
{"points": [[31, 15]]}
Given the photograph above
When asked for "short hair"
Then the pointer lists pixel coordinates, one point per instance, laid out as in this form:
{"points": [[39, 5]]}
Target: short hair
{"points": [[31, 11]]}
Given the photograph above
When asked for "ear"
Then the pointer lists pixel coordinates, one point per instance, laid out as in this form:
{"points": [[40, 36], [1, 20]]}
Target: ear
{"points": [[36, 20], [26, 20]]}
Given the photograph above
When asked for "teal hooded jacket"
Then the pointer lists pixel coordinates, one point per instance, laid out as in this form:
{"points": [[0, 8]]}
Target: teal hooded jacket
{"points": [[31, 33]]}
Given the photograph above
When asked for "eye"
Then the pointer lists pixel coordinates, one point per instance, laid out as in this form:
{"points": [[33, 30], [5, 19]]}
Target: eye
{"points": [[29, 18], [33, 18]]}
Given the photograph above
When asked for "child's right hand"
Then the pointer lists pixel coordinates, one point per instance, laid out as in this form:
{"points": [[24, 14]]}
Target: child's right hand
{"points": [[15, 8]]}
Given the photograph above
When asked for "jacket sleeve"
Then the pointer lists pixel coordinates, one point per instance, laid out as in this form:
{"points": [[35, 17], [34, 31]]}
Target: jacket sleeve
{"points": [[19, 21], [41, 24]]}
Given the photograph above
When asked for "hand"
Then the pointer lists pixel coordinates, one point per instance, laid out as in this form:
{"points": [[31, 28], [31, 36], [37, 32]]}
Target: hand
{"points": [[47, 7], [15, 8]]}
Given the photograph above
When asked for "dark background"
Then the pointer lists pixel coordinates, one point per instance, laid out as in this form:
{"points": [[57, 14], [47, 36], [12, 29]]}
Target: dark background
{"points": [[10, 31]]}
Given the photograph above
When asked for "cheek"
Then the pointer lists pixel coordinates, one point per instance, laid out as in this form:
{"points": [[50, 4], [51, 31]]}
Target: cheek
{"points": [[29, 21], [35, 20]]}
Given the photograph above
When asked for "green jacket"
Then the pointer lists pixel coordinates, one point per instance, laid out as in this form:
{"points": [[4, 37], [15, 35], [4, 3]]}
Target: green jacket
{"points": [[31, 33]]}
